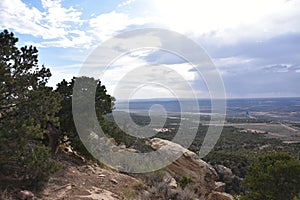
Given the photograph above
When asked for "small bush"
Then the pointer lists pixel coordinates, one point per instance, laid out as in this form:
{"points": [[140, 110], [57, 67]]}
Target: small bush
{"points": [[5, 195], [158, 188], [184, 181], [129, 193], [161, 192], [31, 163]]}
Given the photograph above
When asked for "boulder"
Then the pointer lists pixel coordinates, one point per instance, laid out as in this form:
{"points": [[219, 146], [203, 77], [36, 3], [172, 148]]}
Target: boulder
{"points": [[25, 194], [224, 171], [189, 165], [170, 181], [220, 187], [219, 196], [172, 184]]}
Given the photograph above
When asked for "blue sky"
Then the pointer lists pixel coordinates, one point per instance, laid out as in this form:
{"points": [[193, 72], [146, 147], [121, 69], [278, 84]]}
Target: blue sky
{"points": [[253, 43]]}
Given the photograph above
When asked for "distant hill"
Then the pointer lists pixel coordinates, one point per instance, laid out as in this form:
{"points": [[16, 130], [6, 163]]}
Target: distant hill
{"points": [[277, 109]]}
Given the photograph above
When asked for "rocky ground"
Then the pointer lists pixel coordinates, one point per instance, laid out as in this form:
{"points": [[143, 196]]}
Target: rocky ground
{"points": [[82, 180], [89, 181]]}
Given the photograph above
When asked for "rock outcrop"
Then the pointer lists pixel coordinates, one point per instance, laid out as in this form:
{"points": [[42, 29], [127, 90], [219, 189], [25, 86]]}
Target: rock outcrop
{"points": [[170, 181], [220, 187], [25, 194], [219, 196], [224, 171], [190, 165]]}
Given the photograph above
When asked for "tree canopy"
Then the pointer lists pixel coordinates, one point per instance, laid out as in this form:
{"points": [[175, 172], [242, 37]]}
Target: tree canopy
{"points": [[103, 105], [26, 104], [275, 176]]}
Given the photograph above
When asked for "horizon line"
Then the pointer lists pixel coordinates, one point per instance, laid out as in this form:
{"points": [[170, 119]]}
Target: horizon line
{"points": [[206, 98]]}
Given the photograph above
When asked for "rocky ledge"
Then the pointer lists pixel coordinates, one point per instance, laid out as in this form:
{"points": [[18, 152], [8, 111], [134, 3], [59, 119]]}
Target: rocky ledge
{"points": [[190, 165]]}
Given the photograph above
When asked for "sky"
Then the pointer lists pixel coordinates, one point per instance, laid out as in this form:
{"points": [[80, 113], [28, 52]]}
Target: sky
{"points": [[254, 44]]}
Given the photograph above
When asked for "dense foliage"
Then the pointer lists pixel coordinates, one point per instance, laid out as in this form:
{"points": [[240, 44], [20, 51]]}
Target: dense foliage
{"points": [[273, 176], [103, 105], [26, 104]]}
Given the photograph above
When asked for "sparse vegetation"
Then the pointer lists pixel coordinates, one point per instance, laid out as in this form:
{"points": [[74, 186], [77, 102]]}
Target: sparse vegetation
{"points": [[158, 188], [129, 193], [5, 195], [235, 149], [184, 181]]}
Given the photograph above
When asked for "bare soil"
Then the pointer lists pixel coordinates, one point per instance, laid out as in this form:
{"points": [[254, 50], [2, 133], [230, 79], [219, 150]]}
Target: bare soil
{"points": [[83, 181]]}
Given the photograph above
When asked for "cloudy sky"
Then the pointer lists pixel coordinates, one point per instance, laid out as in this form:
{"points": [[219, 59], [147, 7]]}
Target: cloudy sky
{"points": [[254, 44]]}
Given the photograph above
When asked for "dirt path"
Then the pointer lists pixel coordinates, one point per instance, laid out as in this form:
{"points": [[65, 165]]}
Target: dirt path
{"points": [[89, 181]]}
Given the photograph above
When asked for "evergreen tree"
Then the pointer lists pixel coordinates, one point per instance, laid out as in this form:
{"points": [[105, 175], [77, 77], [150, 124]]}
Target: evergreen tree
{"points": [[103, 105], [274, 176], [26, 104]]}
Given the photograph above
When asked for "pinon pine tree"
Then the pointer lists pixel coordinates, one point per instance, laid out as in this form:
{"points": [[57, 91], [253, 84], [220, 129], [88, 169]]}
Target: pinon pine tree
{"points": [[26, 105]]}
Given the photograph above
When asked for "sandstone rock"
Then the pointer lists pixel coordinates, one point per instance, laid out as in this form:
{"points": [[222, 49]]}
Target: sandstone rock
{"points": [[90, 169], [69, 187], [219, 196], [132, 150], [114, 181], [170, 181], [112, 141], [224, 171], [98, 193], [93, 136], [172, 184], [220, 187], [189, 165], [25, 194]]}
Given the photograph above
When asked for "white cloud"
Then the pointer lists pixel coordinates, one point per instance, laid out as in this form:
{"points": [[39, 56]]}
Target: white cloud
{"points": [[218, 22], [214, 21], [152, 91], [221, 22], [16, 15], [131, 72], [126, 3], [57, 16], [75, 38], [233, 65], [57, 25], [107, 25], [185, 70], [120, 68], [66, 72], [230, 61], [229, 21]]}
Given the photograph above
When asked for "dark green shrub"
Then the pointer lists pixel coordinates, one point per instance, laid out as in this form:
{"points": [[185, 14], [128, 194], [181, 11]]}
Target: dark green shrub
{"points": [[26, 104], [184, 181], [273, 176]]}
